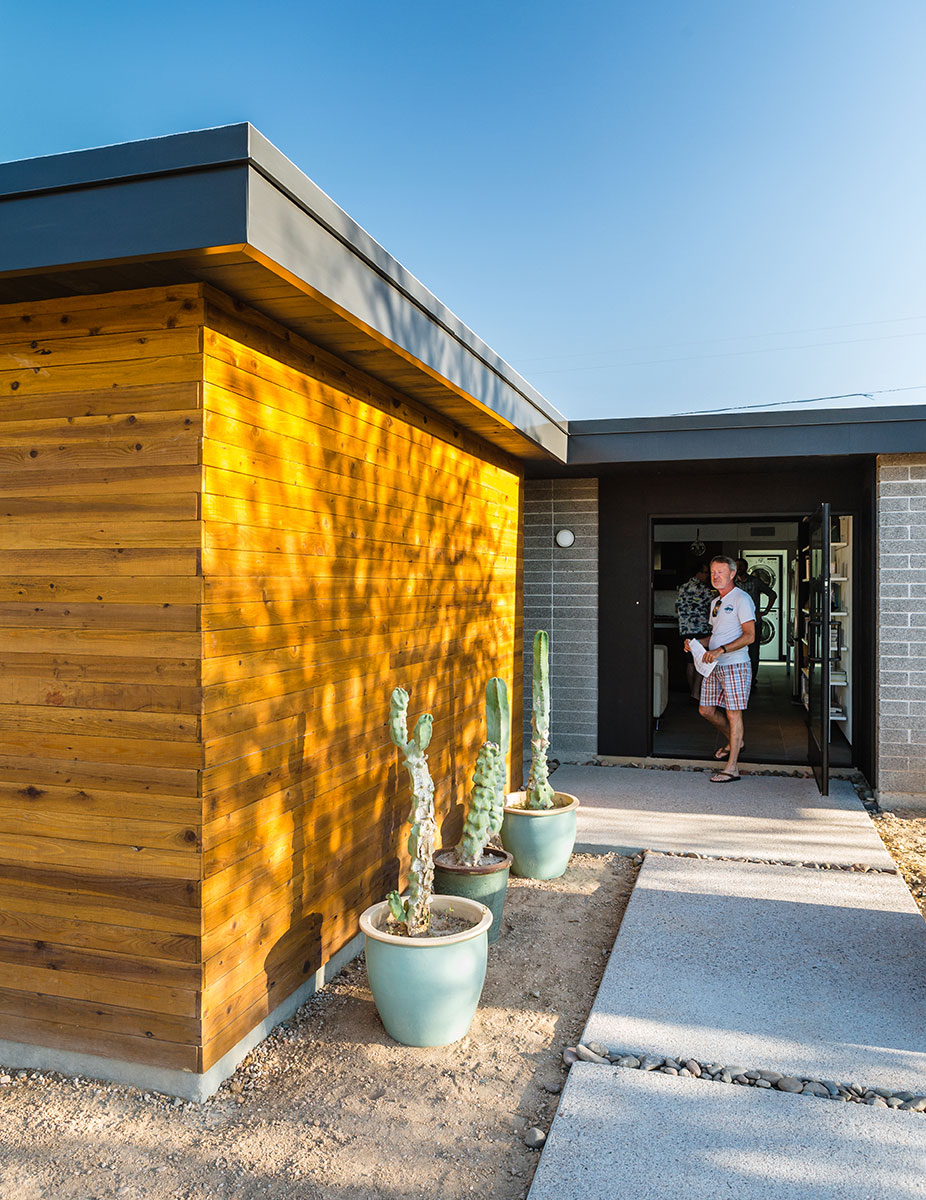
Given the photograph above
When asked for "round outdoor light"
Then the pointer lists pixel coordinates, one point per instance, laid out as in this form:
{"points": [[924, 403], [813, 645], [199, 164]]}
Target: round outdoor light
{"points": [[565, 538]]}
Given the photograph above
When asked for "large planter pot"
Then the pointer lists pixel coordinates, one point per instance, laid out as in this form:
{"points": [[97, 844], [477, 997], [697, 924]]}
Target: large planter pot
{"points": [[486, 884], [426, 989], [540, 839]]}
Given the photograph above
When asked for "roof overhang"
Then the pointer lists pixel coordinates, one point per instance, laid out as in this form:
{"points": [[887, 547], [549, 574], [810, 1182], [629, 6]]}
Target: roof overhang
{"points": [[749, 436], [224, 206]]}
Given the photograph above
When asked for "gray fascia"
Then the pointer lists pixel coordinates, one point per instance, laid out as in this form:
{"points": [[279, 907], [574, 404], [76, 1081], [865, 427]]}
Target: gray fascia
{"points": [[230, 186], [797, 434]]}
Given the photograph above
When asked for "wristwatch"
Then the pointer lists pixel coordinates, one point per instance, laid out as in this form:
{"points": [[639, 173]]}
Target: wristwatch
{"points": [[723, 649]]}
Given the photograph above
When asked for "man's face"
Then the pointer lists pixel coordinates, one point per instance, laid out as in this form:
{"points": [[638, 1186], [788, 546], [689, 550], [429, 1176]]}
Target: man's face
{"points": [[722, 576], [703, 574]]}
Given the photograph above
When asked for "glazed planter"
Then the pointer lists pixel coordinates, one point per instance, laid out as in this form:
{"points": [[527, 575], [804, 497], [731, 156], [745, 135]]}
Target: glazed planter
{"points": [[426, 989], [486, 884], [540, 839]]}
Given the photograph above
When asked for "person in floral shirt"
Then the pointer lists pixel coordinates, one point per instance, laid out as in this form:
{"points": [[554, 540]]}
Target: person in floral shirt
{"points": [[693, 606]]}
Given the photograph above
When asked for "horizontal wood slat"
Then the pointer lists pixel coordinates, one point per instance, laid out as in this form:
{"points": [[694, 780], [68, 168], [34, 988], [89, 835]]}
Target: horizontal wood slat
{"points": [[220, 550], [100, 677]]}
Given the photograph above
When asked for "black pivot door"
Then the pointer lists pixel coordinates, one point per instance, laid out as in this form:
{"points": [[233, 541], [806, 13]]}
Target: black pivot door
{"points": [[816, 644]]}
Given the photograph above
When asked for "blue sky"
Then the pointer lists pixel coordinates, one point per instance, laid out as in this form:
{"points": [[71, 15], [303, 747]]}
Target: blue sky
{"points": [[645, 208]]}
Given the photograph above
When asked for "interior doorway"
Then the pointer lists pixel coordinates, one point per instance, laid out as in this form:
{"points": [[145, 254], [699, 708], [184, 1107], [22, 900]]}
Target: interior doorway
{"points": [[776, 719]]}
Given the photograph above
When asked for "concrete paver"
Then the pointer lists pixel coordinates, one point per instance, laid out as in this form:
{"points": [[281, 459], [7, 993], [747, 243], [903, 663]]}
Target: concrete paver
{"points": [[630, 1133], [627, 810], [806, 972]]}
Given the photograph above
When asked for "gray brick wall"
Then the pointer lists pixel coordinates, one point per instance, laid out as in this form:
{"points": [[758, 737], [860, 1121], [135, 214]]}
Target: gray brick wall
{"points": [[561, 596], [901, 695]]}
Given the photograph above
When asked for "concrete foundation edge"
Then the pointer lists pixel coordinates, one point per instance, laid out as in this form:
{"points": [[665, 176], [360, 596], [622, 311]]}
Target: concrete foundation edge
{"points": [[185, 1084], [916, 801]]}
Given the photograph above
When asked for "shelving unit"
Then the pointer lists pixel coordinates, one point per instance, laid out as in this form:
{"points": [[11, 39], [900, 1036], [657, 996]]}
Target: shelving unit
{"points": [[841, 593], [840, 633]]}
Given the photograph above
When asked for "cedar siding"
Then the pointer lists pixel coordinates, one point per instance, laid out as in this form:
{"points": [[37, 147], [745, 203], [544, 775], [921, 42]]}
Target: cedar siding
{"points": [[221, 549]]}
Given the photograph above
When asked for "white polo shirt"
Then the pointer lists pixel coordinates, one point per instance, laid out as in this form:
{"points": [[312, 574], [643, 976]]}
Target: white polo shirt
{"points": [[727, 616]]}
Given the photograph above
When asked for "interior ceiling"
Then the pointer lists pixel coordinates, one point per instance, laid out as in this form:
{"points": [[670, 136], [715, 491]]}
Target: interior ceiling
{"points": [[237, 274]]}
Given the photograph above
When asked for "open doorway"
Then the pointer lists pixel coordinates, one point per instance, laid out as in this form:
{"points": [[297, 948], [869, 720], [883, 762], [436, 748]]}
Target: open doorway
{"points": [[776, 719]]}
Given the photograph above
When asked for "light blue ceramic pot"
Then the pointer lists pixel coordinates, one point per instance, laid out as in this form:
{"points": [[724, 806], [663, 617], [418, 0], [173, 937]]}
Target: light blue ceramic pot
{"points": [[486, 884], [426, 989], [540, 839]]}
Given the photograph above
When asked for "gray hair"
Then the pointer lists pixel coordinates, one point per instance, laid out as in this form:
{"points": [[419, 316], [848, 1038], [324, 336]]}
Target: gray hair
{"points": [[722, 558]]}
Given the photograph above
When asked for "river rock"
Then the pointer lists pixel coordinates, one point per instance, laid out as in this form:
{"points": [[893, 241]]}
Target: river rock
{"points": [[628, 1060], [534, 1138], [588, 1055], [788, 1083]]}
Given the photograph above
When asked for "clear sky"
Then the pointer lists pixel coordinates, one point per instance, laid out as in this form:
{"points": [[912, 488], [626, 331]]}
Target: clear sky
{"points": [[644, 207]]}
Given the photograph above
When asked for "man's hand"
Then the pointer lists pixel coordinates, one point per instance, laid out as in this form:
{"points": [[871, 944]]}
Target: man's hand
{"points": [[687, 645], [712, 655]]}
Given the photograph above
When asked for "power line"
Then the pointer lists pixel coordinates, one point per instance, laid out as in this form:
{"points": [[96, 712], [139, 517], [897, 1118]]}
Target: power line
{"points": [[732, 337], [655, 362], [699, 412]]}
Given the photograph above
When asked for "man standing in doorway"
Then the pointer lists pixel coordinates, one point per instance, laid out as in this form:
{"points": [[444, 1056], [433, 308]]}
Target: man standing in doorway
{"points": [[733, 630]]}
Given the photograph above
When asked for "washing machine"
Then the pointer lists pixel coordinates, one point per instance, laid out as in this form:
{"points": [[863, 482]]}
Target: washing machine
{"points": [[769, 565]]}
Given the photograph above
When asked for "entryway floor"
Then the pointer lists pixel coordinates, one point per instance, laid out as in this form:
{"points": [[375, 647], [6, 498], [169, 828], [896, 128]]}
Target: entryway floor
{"points": [[629, 809], [776, 728]]}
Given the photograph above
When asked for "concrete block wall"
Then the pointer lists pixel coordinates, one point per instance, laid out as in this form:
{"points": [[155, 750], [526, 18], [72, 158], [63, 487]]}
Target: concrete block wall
{"points": [[901, 695], [561, 596]]}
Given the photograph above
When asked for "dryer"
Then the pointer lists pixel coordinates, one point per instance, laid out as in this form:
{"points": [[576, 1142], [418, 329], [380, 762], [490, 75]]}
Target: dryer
{"points": [[769, 565]]}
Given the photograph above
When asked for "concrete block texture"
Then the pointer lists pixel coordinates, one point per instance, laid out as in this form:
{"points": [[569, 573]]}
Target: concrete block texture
{"points": [[901, 556], [639, 1134], [561, 596]]}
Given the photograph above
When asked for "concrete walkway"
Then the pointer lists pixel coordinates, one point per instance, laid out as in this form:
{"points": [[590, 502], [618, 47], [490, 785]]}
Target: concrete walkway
{"points": [[628, 810], [813, 973]]}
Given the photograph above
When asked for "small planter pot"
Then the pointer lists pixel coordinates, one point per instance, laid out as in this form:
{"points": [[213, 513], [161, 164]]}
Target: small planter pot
{"points": [[486, 884], [540, 839], [426, 989]]}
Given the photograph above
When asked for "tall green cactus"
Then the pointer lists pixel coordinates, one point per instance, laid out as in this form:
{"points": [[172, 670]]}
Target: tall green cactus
{"points": [[416, 911], [539, 791], [477, 826], [498, 730]]}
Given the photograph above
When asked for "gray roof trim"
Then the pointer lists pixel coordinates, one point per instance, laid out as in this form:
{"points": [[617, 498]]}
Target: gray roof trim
{"points": [[800, 433], [51, 223]]}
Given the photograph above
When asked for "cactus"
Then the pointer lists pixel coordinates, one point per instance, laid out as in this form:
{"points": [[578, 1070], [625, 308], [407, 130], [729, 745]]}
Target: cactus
{"points": [[416, 911], [539, 791], [477, 826], [498, 730]]}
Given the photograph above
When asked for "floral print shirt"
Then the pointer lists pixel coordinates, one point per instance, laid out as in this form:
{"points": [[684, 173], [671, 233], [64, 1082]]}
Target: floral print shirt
{"points": [[693, 605]]}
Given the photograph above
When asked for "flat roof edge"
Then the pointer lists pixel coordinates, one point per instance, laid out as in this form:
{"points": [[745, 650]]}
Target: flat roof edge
{"points": [[239, 145]]}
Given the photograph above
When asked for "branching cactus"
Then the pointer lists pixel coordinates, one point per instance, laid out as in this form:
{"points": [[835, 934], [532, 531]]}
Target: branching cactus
{"points": [[477, 827], [539, 791], [415, 912], [498, 730]]}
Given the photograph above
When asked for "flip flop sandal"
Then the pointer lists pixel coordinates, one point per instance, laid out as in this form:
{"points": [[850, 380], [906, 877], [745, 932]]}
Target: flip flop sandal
{"points": [[724, 752], [724, 777]]}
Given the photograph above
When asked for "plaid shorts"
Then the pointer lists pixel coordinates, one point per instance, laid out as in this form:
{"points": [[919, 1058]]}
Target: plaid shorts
{"points": [[727, 687]]}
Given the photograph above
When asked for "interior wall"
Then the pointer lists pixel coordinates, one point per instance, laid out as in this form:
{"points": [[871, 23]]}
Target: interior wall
{"points": [[352, 542], [631, 497]]}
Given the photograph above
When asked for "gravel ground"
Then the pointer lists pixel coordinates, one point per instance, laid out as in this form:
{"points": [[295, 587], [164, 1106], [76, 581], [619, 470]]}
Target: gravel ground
{"points": [[904, 833], [328, 1107]]}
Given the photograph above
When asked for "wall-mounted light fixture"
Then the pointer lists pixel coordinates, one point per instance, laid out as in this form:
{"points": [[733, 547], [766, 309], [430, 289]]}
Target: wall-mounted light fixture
{"points": [[565, 538]]}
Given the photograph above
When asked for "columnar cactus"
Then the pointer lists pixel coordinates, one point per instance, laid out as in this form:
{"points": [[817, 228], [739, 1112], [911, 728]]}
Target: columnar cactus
{"points": [[415, 912], [539, 791], [477, 826], [498, 730]]}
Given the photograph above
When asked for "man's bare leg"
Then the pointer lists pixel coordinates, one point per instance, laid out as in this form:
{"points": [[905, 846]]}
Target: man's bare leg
{"points": [[717, 720], [735, 718]]}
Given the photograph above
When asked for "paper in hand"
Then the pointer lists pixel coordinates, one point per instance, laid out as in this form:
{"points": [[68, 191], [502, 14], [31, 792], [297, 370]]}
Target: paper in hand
{"points": [[697, 653]]}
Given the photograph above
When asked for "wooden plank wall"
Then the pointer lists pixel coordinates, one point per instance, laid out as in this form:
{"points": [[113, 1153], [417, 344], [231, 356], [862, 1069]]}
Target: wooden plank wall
{"points": [[100, 750], [352, 541]]}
